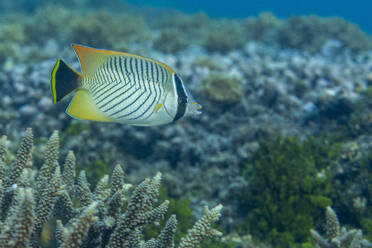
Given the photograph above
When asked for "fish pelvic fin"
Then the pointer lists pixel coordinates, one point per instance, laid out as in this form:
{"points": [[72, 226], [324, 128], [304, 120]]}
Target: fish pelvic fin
{"points": [[65, 80], [82, 106]]}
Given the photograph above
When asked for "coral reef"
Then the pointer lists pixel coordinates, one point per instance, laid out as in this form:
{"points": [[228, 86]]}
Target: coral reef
{"points": [[217, 40], [338, 237], [222, 89], [29, 198], [170, 41], [271, 106], [114, 29], [178, 207], [262, 28], [353, 198], [268, 78], [312, 32], [191, 26], [103, 30]]}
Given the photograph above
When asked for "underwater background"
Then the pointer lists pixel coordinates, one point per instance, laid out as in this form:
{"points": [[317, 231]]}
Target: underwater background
{"points": [[355, 11], [286, 90]]}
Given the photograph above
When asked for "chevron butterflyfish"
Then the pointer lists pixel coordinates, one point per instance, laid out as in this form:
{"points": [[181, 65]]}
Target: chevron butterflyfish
{"points": [[122, 87]]}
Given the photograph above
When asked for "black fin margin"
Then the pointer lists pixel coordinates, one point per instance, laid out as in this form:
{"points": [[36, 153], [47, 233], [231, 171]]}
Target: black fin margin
{"points": [[64, 80]]}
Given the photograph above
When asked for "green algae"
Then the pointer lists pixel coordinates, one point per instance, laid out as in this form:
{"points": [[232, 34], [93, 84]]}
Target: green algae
{"points": [[366, 224], [290, 184]]}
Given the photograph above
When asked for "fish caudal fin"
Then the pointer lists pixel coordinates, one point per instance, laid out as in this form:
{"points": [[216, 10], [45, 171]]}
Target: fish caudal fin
{"points": [[83, 107], [64, 80]]}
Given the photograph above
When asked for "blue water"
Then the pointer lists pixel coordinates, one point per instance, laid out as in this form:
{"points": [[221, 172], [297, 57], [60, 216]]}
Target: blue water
{"points": [[357, 11]]}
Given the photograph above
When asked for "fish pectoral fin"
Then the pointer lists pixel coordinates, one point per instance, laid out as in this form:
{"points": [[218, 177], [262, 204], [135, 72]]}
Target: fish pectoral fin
{"points": [[83, 107], [158, 107]]}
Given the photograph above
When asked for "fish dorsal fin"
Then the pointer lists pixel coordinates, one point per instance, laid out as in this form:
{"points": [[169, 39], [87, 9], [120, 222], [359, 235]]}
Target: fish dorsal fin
{"points": [[91, 58], [83, 107]]}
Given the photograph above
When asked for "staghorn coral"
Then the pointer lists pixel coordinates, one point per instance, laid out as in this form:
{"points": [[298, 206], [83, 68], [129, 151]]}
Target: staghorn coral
{"points": [[202, 228], [19, 223], [22, 157], [336, 237], [29, 198]]}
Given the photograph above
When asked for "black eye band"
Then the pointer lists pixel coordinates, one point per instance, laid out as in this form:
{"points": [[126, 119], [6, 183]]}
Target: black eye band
{"points": [[181, 98]]}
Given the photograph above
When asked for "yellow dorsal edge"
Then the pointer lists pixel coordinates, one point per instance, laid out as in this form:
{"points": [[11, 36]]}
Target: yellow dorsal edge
{"points": [[83, 107], [97, 56]]}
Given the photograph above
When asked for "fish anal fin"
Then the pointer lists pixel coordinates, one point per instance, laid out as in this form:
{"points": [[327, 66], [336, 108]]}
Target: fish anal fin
{"points": [[83, 107]]}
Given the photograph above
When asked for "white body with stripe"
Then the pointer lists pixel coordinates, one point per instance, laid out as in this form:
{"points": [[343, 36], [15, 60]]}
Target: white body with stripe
{"points": [[133, 91], [122, 87]]}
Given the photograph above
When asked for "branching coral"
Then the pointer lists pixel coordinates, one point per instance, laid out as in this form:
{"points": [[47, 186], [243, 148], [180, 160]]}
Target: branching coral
{"points": [[336, 237], [202, 228], [28, 199]]}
